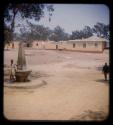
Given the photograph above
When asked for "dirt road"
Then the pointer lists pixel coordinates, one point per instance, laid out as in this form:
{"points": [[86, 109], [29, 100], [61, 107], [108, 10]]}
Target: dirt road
{"points": [[74, 85]]}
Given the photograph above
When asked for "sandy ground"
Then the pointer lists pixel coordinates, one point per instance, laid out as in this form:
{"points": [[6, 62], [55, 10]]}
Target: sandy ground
{"points": [[74, 88]]}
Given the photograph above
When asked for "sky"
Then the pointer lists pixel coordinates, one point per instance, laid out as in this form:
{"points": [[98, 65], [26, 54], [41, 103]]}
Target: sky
{"points": [[73, 17]]}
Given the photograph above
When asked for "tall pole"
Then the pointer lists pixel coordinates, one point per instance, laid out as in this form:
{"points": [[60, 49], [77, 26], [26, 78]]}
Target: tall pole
{"points": [[21, 62]]}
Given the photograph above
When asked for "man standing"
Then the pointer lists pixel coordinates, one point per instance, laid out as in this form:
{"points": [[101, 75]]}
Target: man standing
{"points": [[105, 71], [12, 71]]}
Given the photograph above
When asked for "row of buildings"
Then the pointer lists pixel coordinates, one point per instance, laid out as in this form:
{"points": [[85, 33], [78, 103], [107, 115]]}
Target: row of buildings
{"points": [[92, 44]]}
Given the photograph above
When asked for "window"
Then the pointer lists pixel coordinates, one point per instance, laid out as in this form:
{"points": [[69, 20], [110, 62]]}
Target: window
{"points": [[96, 44], [84, 45], [28, 45], [73, 45], [56, 46]]}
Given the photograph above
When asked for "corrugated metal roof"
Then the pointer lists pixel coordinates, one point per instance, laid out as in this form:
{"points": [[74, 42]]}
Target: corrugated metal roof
{"points": [[92, 38]]}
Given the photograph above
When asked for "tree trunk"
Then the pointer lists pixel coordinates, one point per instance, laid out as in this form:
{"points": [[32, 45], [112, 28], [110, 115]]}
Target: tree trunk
{"points": [[13, 20]]}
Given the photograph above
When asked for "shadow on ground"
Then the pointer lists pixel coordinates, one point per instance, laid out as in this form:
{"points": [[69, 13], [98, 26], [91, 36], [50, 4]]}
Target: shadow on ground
{"points": [[102, 81], [91, 115]]}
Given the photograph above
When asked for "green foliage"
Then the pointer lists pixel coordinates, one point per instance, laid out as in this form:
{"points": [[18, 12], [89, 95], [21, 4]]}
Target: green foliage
{"points": [[26, 11], [8, 35], [35, 32], [58, 34], [39, 32], [85, 33], [101, 30]]}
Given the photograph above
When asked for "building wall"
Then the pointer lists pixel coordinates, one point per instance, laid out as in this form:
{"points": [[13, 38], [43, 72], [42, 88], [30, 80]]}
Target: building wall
{"points": [[16, 43], [51, 45], [39, 44], [91, 46]]}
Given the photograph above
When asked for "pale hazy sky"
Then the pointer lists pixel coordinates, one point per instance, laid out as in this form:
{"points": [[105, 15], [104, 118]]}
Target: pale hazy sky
{"points": [[75, 16]]}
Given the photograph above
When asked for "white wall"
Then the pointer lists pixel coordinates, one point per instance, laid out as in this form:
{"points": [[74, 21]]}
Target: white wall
{"points": [[90, 46], [68, 45]]}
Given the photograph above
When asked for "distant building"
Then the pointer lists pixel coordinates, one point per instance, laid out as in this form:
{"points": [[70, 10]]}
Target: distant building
{"points": [[92, 44], [39, 44], [107, 44], [28, 44]]}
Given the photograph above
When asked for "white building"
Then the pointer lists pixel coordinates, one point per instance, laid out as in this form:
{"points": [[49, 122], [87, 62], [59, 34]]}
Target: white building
{"points": [[92, 44]]}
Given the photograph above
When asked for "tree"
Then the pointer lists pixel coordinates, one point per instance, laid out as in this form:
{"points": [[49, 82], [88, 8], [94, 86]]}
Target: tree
{"points": [[33, 32], [26, 11], [59, 34], [39, 32], [106, 32], [87, 32], [8, 34], [16, 36], [101, 30], [76, 35]]}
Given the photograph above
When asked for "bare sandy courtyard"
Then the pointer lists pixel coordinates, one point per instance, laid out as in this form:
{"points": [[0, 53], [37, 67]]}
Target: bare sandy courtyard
{"points": [[74, 87]]}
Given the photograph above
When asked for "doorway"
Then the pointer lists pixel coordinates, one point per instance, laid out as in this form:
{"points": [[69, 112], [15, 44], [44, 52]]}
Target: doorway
{"points": [[56, 46]]}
